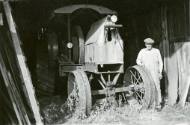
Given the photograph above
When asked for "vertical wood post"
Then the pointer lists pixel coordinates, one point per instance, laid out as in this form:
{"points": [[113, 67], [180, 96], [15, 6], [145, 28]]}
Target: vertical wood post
{"points": [[184, 74], [170, 61]]}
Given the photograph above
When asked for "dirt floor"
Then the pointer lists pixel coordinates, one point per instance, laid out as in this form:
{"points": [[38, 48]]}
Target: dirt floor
{"points": [[55, 111]]}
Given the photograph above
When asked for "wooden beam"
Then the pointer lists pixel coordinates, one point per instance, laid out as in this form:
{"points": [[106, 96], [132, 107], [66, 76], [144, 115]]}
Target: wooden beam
{"points": [[170, 62], [16, 104], [183, 57], [6, 81], [184, 93], [25, 75]]}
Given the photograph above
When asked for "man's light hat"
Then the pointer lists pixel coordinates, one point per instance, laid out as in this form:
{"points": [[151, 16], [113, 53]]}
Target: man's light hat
{"points": [[149, 41]]}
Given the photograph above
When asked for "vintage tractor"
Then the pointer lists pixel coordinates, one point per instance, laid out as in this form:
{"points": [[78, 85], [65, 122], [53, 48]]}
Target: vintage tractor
{"points": [[91, 55]]}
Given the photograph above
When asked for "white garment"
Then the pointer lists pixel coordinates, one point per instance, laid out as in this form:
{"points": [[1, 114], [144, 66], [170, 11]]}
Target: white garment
{"points": [[152, 61]]}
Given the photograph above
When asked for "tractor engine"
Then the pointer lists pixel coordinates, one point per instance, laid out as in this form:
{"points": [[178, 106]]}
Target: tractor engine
{"points": [[104, 45]]}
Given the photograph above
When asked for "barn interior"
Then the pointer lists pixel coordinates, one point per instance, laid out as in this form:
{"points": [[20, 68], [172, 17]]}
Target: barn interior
{"points": [[166, 21], [135, 16]]}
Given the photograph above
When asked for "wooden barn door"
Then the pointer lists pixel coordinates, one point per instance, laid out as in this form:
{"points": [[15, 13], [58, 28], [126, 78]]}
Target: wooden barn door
{"points": [[175, 48], [183, 60]]}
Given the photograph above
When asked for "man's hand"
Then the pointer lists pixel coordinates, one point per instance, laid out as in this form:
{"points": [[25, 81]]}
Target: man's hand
{"points": [[160, 76], [141, 64]]}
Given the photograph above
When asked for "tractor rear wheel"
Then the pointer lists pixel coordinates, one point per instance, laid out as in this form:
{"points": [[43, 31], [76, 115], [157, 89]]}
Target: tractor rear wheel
{"points": [[79, 92], [141, 84]]}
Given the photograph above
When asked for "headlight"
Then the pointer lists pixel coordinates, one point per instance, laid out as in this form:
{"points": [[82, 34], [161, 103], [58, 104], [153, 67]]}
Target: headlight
{"points": [[114, 18], [69, 45]]}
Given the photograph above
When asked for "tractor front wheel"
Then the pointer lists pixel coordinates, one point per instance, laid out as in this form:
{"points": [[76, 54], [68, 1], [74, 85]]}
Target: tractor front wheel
{"points": [[79, 92]]}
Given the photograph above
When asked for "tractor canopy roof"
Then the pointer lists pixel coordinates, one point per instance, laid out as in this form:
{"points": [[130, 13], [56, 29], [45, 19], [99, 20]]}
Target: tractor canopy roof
{"points": [[72, 8]]}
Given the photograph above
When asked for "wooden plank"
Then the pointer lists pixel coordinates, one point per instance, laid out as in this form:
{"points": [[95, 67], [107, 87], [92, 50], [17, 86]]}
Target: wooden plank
{"points": [[170, 59], [1, 19], [172, 77], [11, 82], [183, 57], [177, 21], [11, 94], [22, 64], [164, 46], [17, 98]]}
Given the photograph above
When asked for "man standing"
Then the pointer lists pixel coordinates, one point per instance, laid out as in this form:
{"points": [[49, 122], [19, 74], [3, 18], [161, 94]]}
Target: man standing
{"points": [[151, 59]]}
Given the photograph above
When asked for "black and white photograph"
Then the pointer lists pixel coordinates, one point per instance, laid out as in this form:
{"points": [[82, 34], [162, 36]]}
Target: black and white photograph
{"points": [[94, 62]]}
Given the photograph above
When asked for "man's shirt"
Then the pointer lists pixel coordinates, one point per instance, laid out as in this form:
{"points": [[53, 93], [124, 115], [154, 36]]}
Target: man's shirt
{"points": [[151, 60]]}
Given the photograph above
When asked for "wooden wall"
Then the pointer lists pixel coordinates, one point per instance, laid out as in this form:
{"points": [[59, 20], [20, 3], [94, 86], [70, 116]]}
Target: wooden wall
{"points": [[138, 26], [168, 25], [178, 57]]}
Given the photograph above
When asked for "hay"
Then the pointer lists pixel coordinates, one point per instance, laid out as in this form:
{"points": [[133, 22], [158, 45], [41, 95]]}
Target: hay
{"points": [[57, 112]]}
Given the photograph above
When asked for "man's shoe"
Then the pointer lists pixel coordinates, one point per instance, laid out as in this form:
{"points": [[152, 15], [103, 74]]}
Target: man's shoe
{"points": [[158, 108]]}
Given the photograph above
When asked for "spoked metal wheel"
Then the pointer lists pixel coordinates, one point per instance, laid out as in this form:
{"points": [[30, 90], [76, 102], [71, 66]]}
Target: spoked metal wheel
{"points": [[79, 92], [142, 87]]}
